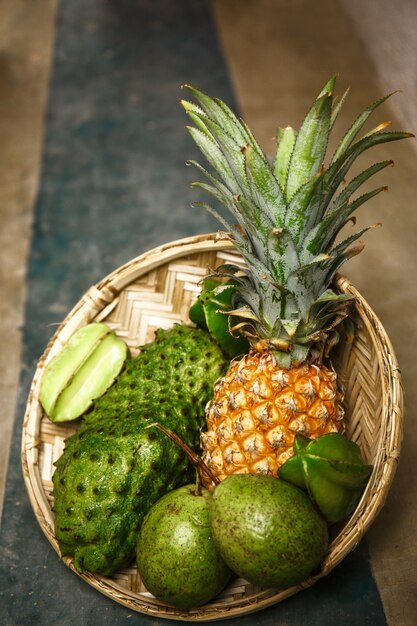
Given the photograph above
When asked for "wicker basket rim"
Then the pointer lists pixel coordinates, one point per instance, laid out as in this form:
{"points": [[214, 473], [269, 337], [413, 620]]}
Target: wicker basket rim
{"points": [[95, 304]]}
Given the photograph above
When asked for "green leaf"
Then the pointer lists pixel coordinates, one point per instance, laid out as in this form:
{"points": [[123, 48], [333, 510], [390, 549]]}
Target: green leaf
{"points": [[228, 227], [218, 111], [315, 208], [222, 189], [338, 218], [320, 258], [310, 146], [343, 245], [356, 127], [356, 182], [221, 193], [325, 276], [212, 191], [196, 114], [266, 185], [240, 241], [215, 157], [286, 140], [282, 249], [288, 213], [299, 214], [337, 106], [330, 296], [322, 236], [329, 301], [297, 355], [328, 87], [337, 171], [255, 224], [232, 152]]}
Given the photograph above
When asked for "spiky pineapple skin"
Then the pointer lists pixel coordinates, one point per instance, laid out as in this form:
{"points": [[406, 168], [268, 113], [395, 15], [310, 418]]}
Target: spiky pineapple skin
{"points": [[257, 409], [114, 468]]}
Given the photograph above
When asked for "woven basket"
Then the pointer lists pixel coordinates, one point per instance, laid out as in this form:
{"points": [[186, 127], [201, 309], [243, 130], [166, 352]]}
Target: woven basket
{"points": [[156, 290]]}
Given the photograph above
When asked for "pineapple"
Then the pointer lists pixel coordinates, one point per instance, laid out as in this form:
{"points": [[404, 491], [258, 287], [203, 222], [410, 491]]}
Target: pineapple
{"points": [[287, 214]]}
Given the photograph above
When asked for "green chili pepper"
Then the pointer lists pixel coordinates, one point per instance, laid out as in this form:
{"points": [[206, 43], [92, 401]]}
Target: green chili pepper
{"points": [[330, 468], [196, 312], [210, 313]]}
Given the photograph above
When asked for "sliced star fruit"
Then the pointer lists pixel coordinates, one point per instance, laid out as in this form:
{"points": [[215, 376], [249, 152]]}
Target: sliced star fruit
{"points": [[81, 372]]}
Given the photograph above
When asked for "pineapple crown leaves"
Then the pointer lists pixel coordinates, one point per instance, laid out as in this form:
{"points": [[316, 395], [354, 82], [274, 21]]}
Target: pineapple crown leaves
{"points": [[287, 212]]}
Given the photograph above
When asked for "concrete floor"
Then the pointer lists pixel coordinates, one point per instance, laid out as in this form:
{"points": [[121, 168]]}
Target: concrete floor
{"points": [[269, 90], [278, 60], [26, 39]]}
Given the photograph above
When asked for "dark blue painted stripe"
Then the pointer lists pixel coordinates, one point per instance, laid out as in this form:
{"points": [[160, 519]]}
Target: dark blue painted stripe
{"points": [[114, 184]]}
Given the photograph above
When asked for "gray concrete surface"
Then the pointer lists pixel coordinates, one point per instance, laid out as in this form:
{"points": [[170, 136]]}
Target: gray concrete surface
{"points": [[26, 32], [388, 32]]}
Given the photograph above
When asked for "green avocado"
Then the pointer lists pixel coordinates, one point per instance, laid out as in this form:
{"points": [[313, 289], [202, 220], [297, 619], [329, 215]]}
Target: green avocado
{"points": [[267, 530], [176, 556], [115, 467]]}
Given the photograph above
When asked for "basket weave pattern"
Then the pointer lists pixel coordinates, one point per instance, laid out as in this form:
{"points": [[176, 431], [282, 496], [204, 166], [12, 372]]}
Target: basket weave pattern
{"points": [[155, 291]]}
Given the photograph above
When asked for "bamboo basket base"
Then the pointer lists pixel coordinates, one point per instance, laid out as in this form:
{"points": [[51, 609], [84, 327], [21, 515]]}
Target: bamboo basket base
{"points": [[156, 290]]}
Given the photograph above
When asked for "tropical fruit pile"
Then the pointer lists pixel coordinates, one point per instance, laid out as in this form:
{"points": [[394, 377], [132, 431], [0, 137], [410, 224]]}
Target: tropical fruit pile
{"points": [[220, 448], [113, 468]]}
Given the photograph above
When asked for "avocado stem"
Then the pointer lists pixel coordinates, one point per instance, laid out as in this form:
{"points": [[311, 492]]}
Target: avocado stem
{"points": [[199, 464], [198, 484]]}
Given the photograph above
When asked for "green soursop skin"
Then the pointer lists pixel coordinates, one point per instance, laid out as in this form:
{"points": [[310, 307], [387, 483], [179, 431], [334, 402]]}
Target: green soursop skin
{"points": [[114, 468]]}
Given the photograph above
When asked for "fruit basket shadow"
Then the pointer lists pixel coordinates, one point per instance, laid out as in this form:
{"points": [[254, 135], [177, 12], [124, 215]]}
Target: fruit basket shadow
{"points": [[156, 290]]}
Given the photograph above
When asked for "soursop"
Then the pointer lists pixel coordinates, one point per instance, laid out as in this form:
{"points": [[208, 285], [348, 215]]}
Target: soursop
{"points": [[114, 468]]}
